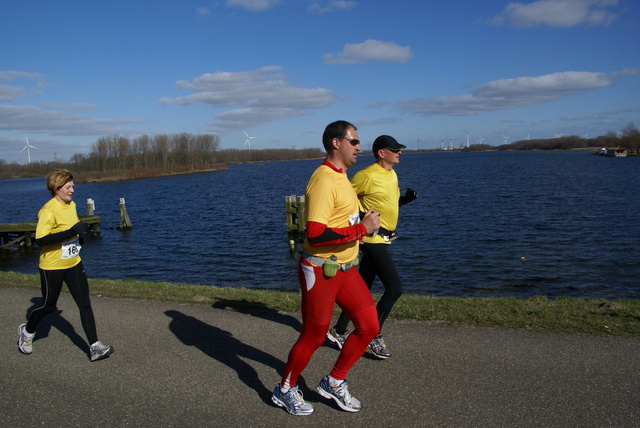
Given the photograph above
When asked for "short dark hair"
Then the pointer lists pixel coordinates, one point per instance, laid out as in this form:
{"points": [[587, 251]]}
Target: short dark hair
{"points": [[335, 129]]}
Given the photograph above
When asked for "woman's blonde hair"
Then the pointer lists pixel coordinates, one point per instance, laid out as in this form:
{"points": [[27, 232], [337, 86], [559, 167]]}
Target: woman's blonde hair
{"points": [[56, 179]]}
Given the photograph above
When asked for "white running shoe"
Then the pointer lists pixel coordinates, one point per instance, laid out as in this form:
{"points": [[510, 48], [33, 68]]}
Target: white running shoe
{"points": [[336, 337], [100, 351], [292, 401], [340, 394], [25, 341]]}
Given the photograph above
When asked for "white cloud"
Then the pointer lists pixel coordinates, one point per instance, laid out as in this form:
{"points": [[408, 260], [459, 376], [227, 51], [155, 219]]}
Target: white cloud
{"points": [[511, 93], [370, 50], [48, 118], [261, 95], [324, 7], [380, 121], [253, 5], [35, 119], [10, 93], [70, 106], [9, 75], [203, 11], [558, 13]]}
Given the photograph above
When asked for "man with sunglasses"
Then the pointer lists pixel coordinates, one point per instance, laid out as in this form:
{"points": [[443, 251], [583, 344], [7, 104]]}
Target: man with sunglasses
{"points": [[328, 275], [377, 185]]}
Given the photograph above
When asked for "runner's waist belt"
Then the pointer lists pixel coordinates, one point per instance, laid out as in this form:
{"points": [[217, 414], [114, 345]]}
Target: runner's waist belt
{"points": [[387, 235], [319, 261]]}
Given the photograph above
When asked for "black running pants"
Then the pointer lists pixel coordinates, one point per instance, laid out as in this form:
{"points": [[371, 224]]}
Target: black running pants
{"points": [[51, 286], [376, 260]]}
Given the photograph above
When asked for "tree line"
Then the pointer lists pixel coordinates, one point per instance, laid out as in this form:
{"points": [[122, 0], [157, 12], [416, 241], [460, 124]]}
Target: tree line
{"points": [[119, 157], [628, 138]]}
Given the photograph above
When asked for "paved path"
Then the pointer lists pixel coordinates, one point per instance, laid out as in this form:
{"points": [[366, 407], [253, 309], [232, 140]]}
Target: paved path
{"points": [[181, 365]]}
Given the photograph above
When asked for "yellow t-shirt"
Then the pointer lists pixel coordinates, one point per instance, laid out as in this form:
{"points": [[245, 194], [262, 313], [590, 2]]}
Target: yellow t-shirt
{"points": [[55, 217], [377, 187], [330, 200]]}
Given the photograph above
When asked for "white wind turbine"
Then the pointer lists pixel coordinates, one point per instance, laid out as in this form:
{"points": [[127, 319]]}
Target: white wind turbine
{"points": [[28, 147], [506, 138], [247, 142], [480, 139]]}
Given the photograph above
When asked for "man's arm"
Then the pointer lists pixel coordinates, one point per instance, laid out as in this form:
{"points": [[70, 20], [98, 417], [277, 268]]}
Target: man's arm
{"points": [[318, 234]]}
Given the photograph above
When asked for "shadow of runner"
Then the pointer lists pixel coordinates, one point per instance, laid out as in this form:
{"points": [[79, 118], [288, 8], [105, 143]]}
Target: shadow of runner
{"points": [[221, 345], [260, 310]]}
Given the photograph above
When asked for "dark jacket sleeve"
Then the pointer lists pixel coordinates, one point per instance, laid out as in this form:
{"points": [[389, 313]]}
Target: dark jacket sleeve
{"points": [[55, 238]]}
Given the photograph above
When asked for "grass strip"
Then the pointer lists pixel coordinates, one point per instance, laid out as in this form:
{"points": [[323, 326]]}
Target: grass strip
{"points": [[562, 315]]}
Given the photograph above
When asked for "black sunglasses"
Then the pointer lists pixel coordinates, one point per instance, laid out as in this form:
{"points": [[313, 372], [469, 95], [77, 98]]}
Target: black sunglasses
{"points": [[353, 141]]}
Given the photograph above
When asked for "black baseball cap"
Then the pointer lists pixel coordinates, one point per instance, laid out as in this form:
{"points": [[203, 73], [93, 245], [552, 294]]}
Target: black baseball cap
{"points": [[386, 142]]}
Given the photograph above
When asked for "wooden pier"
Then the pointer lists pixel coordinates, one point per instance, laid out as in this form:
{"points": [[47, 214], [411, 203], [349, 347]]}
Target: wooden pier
{"points": [[21, 235]]}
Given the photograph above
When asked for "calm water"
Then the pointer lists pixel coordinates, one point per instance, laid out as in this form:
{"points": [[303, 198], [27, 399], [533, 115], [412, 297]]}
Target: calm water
{"points": [[572, 215]]}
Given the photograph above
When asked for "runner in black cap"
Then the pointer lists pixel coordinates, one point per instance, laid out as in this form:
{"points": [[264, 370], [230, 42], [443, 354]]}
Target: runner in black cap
{"points": [[377, 186]]}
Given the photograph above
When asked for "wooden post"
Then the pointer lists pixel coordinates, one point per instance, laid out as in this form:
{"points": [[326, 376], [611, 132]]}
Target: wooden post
{"points": [[125, 223], [296, 213], [90, 206], [296, 224]]}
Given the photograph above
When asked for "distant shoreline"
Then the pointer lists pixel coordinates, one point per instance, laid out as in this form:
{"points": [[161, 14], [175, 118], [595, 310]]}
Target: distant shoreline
{"points": [[115, 176]]}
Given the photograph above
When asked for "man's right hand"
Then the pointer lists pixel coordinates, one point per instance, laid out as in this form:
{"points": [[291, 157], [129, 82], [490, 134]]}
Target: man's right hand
{"points": [[371, 221]]}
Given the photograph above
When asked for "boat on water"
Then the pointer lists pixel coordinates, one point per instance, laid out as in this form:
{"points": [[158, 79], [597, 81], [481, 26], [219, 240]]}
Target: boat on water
{"points": [[613, 152]]}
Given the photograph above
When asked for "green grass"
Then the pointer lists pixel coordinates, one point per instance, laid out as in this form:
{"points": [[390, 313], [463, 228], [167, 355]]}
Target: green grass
{"points": [[567, 315]]}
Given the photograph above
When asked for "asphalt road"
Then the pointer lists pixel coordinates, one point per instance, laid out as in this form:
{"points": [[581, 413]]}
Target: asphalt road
{"points": [[183, 365]]}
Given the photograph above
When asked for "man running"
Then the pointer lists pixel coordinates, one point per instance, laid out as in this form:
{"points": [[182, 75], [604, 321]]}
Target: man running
{"points": [[377, 185], [328, 275]]}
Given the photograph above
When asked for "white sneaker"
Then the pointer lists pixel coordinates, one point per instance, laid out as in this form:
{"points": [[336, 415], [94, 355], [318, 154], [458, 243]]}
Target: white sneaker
{"points": [[26, 340], [336, 337], [100, 351], [340, 394], [292, 401]]}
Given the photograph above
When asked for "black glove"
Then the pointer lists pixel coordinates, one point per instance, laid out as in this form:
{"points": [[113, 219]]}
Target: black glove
{"points": [[409, 196], [80, 228]]}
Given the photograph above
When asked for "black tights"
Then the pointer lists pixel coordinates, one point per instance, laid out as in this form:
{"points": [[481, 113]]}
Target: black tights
{"points": [[376, 260], [51, 285]]}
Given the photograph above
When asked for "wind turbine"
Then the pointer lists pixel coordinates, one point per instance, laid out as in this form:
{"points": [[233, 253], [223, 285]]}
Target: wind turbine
{"points": [[247, 142], [418, 141], [480, 139], [506, 138], [28, 147], [585, 136], [528, 137]]}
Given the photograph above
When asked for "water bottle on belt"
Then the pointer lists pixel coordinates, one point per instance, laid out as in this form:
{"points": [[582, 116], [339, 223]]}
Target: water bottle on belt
{"points": [[330, 267]]}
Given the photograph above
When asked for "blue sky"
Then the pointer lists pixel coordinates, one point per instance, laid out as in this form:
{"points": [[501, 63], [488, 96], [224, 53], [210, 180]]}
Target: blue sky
{"points": [[423, 72]]}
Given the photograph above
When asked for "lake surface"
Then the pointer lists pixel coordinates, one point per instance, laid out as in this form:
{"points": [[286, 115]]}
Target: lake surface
{"points": [[571, 215]]}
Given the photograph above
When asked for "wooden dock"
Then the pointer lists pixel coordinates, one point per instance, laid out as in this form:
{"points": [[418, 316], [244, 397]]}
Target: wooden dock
{"points": [[21, 235]]}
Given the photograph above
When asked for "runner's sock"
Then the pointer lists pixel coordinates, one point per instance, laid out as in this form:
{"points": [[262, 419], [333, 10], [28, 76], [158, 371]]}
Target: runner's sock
{"points": [[333, 382]]}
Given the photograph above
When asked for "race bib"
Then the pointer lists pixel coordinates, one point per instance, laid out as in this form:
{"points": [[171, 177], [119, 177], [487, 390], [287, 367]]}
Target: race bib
{"points": [[70, 248]]}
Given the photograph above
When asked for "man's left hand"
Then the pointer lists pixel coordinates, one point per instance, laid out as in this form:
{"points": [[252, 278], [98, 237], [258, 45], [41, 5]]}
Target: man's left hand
{"points": [[409, 196]]}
